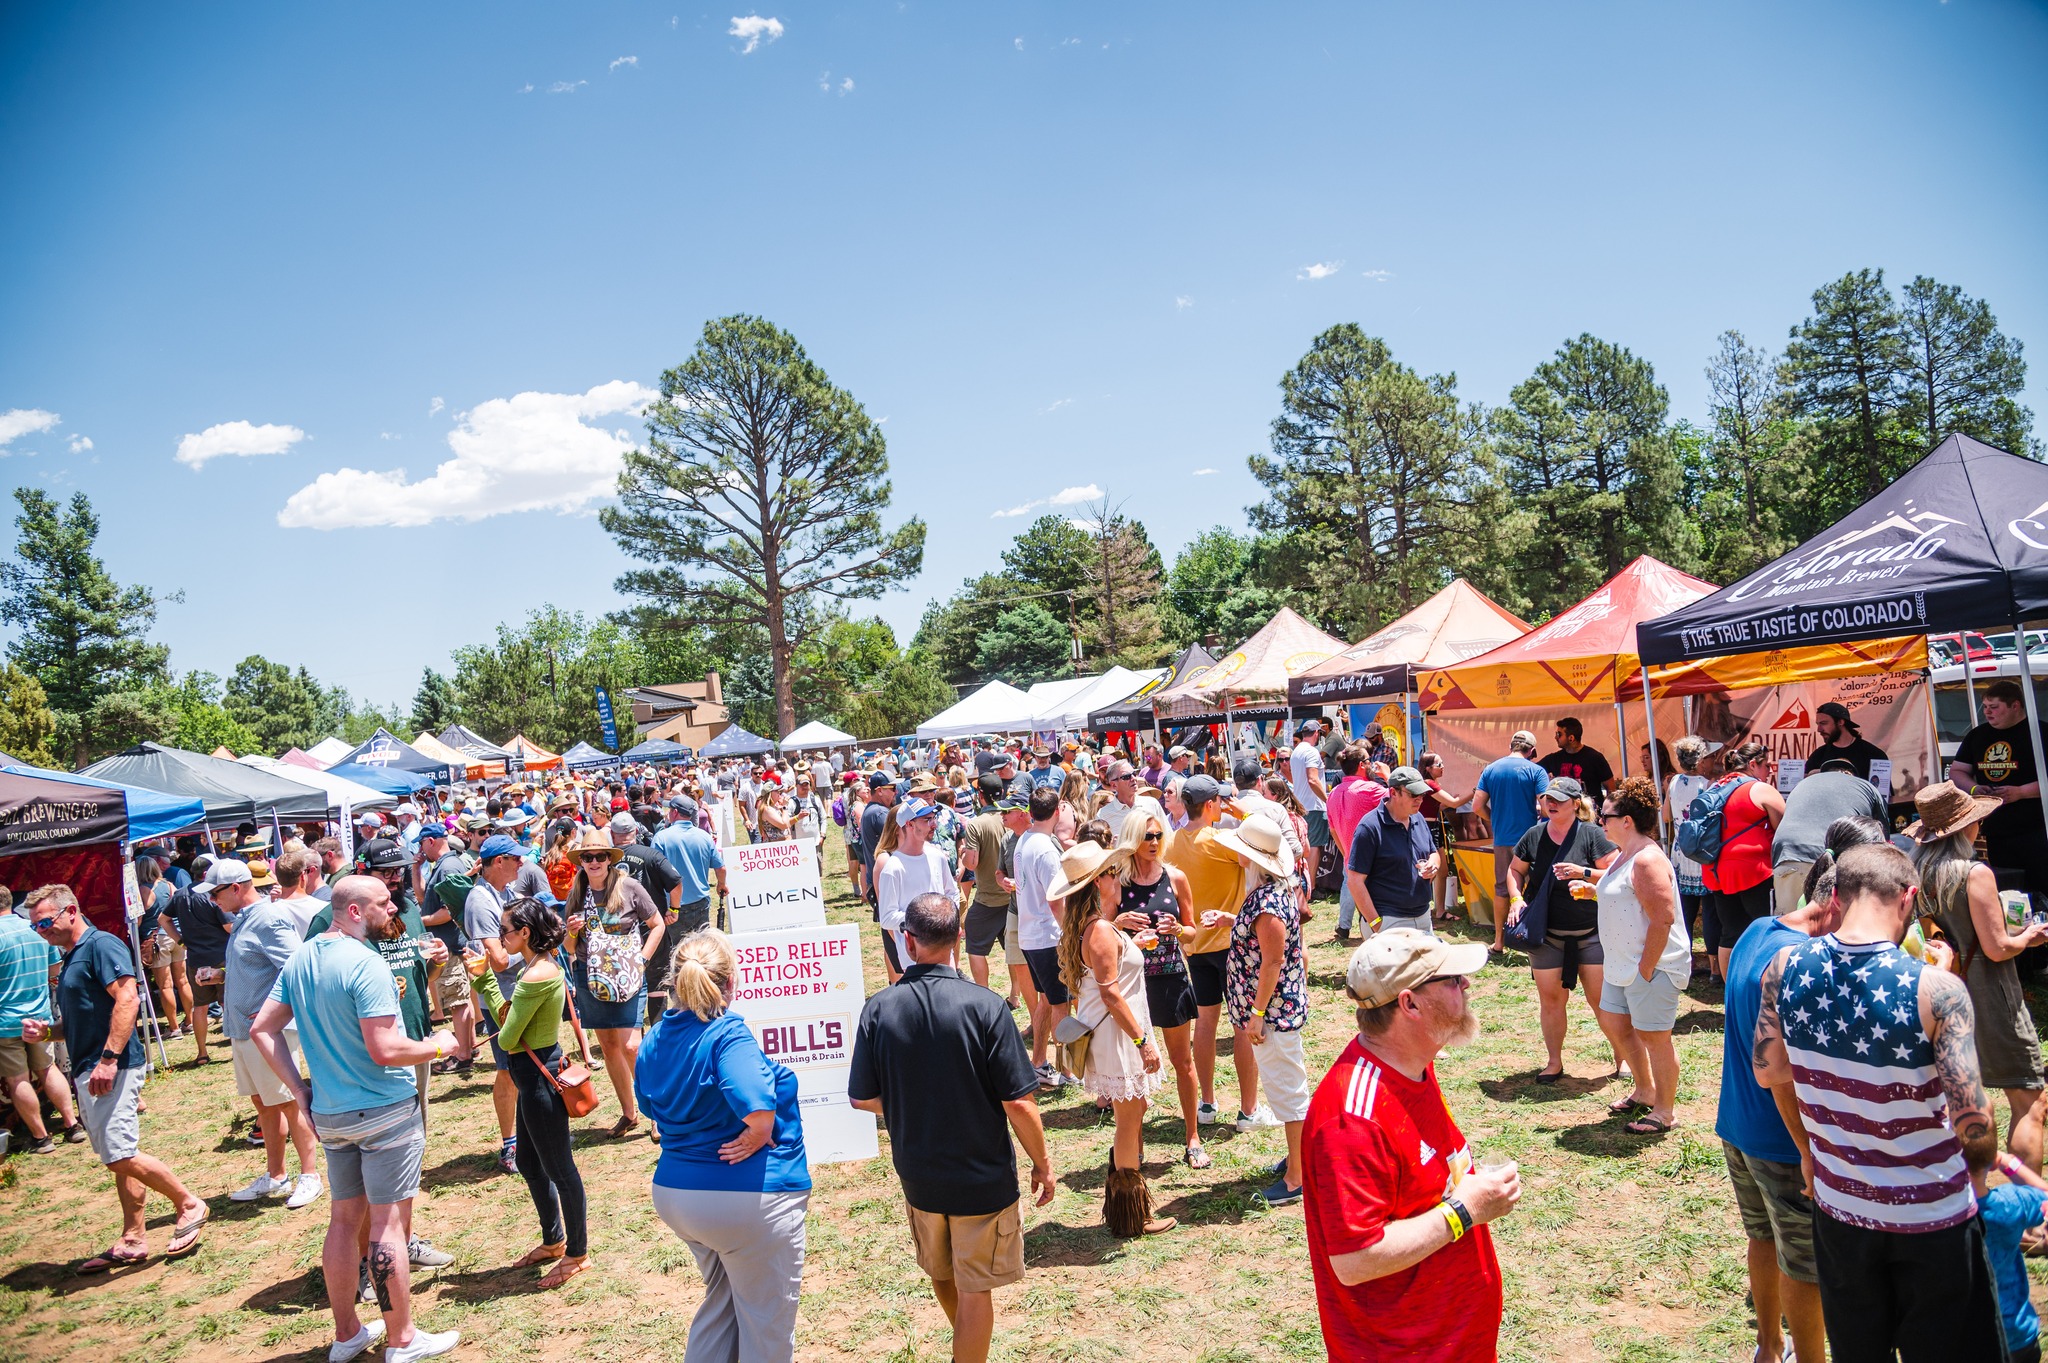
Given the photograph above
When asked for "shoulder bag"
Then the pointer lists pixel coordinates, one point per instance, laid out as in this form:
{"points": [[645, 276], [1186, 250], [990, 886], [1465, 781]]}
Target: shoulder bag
{"points": [[612, 961], [573, 1082]]}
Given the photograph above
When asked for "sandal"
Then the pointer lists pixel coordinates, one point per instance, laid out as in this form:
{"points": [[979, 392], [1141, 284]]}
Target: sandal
{"points": [[185, 1234], [563, 1271], [542, 1254], [116, 1255], [625, 1126], [1648, 1126], [1549, 1076], [1196, 1157], [1626, 1106]]}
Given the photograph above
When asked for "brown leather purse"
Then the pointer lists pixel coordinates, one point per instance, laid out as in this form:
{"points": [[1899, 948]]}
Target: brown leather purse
{"points": [[574, 1082]]}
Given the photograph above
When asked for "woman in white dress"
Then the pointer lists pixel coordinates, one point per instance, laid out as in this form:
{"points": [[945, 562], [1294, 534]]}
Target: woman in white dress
{"points": [[1103, 967]]}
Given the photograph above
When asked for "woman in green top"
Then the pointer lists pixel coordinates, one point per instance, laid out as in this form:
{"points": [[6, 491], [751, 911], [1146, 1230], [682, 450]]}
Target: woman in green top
{"points": [[527, 1029]]}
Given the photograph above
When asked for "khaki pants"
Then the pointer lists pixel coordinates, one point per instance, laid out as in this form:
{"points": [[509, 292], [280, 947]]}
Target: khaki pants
{"points": [[1788, 882]]}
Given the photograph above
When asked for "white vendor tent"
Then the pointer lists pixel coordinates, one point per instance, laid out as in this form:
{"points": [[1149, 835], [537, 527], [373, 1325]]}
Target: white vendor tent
{"points": [[340, 788], [328, 751], [817, 734], [1069, 713], [1049, 699], [996, 708]]}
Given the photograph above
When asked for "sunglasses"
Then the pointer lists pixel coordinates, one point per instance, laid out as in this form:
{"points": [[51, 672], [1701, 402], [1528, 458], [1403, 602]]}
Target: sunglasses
{"points": [[1607, 814], [44, 924], [592, 858], [1154, 836]]}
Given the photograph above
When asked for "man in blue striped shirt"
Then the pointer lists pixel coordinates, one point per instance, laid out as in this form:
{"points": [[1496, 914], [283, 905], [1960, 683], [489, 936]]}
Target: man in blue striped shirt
{"points": [[26, 962]]}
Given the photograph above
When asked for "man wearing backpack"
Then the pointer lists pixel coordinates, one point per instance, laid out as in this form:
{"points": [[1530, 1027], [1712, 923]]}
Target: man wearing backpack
{"points": [[1728, 832]]}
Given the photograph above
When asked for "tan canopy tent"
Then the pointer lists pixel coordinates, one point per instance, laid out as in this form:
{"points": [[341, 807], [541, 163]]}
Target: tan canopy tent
{"points": [[1457, 623], [1250, 681]]}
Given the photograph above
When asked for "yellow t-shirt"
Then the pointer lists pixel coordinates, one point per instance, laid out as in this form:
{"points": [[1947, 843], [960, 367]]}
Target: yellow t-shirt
{"points": [[1215, 876]]}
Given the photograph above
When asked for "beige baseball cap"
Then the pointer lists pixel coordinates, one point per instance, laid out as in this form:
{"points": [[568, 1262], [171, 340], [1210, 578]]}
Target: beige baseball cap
{"points": [[1403, 958]]}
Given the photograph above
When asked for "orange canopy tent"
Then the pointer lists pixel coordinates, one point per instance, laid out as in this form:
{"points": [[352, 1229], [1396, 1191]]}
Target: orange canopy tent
{"points": [[472, 769], [537, 757], [1456, 623], [1249, 682]]}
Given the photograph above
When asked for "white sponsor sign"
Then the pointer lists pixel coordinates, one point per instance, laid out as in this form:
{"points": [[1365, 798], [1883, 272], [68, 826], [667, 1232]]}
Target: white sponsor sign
{"points": [[801, 992], [774, 885], [1791, 771], [1881, 777]]}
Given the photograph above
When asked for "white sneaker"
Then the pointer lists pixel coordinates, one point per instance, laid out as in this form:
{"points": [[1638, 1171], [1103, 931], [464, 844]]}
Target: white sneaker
{"points": [[1260, 1118], [262, 1186], [364, 1339], [1206, 1114], [424, 1345], [306, 1189]]}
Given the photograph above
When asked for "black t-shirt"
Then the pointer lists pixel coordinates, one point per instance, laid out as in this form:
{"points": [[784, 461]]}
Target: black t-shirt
{"points": [[2004, 757], [1859, 754], [655, 873], [200, 926], [1585, 766], [1583, 846], [986, 762], [942, 1054]]}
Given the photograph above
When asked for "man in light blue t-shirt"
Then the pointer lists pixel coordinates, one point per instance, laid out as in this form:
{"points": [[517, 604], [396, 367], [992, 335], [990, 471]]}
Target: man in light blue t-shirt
{"points": [[1507, 798], [695, 855], [364, 1102]]}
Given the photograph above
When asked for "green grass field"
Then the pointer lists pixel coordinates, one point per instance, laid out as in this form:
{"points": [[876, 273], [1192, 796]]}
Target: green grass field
{"points": [[1623, 1247]]}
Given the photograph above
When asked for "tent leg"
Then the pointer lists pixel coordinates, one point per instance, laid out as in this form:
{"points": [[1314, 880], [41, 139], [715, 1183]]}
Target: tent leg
{"points": [[1621, 736], [2033, 710], [1656, 772], [144, 988], [1970, 684]]}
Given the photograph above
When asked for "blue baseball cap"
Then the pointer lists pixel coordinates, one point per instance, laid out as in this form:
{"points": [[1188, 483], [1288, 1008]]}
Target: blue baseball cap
{"points": [[915, 809], [498, 845]]}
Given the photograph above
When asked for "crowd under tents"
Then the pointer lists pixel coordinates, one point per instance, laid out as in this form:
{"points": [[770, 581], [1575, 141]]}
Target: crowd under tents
{"points": [[342, 791], [57, 828], [584, 757], [734, 741], [816, 734], [229, 792]]}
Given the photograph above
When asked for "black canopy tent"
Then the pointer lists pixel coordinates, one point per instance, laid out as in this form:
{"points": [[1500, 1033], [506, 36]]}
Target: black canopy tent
{"points": [[395, 754], [1959, 542], [230, 792], [470, 743], [1135, 711]]}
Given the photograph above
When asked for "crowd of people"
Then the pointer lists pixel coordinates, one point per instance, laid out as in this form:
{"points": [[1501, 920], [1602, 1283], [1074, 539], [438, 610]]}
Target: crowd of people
{"points": [[1140, 897]]}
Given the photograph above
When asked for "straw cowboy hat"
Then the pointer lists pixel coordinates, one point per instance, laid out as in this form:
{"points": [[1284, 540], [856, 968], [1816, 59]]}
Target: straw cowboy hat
{"points": [[1946, 808], [1258, 840], [1083, 862], [595, 840]]}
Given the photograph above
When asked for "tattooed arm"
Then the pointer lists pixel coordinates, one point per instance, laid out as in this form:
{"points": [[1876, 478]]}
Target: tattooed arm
{"points": [[1952, 1025], [1773, 1067]]}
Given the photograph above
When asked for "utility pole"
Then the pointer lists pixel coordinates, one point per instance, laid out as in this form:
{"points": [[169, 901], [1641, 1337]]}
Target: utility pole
{"points": [[1073, 627]]}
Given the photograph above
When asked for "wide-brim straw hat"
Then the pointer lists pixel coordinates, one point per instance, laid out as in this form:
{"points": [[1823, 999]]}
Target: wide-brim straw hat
{"points": [[1946, 808], [595, 840], [1258, 839], [1083, 862]]}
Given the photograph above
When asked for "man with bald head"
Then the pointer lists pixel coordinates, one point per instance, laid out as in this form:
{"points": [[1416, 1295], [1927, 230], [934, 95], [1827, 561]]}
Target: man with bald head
{"points": [[362, 1101]]}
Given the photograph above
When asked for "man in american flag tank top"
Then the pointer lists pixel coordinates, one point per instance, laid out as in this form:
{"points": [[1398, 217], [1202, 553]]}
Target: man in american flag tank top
{"points": [[1873, 1062]]}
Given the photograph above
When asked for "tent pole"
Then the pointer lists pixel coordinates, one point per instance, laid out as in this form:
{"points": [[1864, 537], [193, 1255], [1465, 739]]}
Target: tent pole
{"points": [[143, 984], [1621, 733], [1656, 767], [2033, 710], [1970, 683]]}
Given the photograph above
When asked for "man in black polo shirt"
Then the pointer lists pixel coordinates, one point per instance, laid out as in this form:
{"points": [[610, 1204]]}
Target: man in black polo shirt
{"points": [[938, 1058]]}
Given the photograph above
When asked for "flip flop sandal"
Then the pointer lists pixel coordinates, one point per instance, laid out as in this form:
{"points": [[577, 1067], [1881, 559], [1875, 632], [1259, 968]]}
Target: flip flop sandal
{"points": [[625, 1126], [111, 1258], [185, 1235], [1197, 1157], [1626, 1106], [1549, 1076], [1648, 1126]]}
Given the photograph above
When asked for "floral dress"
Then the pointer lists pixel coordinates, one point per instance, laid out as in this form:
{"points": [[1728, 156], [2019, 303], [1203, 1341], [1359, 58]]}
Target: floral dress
{"points": [[1287, 1010]]}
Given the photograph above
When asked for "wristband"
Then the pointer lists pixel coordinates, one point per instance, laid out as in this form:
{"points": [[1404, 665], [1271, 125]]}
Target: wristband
{"points": [[1464, 1216], [1142, 1040], [437, 1050], [1457, 1224]]}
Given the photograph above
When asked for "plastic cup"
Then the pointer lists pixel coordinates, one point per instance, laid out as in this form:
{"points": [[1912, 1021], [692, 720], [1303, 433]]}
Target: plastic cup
{"points": [[1493, 1161]]}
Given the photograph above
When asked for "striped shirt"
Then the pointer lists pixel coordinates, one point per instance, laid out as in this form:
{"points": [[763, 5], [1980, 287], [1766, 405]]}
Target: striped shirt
{"points": [[1884, 1155], [25, 961]]}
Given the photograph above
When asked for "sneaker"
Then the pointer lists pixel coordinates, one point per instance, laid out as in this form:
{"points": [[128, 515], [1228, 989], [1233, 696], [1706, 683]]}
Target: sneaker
{"points": [[262, 1186], [364, 1339], [1260, 1118], [1048, 1076], [41, 1145], [74, 1134], [508, 1155], [1343, 937], [424, 1345], [1279, 1195], [1206, 1114], [1068, 1081], [304, 1190], [1278, 1168], [254, 1140], [213, 1011], [423, 1254]]}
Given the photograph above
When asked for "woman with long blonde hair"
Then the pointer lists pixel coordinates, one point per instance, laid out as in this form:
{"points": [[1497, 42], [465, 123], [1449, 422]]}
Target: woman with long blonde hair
{"points": [[1103, 967], [732, 1182]]}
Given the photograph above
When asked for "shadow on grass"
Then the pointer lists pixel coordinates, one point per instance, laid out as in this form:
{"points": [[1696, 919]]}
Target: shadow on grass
{"points": [[1523, 1088], [464, 1169], [1701, 1020], [64, 1280], [297, 1295], [1609, 1138]]}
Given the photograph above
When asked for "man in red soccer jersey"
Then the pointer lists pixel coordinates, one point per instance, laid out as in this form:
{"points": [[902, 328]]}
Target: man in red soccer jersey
{"points": [[1404, 1265]]}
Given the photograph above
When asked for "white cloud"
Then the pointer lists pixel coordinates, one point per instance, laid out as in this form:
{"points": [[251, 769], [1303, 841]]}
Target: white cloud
{"points": [[236, 438], [80, 444], [754, 30], [566, 87], [434, 407], [1020, 44], [1181, 300], [1202, 473], [1320, 270], [25, 421], [618, 62], [846, 86], [1055, 406], [1066, 496], [529, 452], [526, 89], [386, 435], [1377, 276]]}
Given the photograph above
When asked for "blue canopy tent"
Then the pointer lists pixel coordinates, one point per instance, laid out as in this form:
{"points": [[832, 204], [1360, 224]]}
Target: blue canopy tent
{"points": [[583, 757], [390, 780], [736, 742], [655, 750]]}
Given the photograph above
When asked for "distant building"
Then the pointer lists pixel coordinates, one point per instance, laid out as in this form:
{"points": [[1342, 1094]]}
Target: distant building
{"points": [[689, 713]]}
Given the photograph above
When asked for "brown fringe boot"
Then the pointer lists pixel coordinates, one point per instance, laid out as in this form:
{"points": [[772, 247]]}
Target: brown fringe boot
{"points": [[1127, 1205]]}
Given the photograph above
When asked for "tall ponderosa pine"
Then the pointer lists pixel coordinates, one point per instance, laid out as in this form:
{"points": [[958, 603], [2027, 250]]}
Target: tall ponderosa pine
{"points": [[1590, 471], [1737, 473], [1847, 372], [761, 491], [82, 634], [433, 705], [1966, 376], [1369, 468]]}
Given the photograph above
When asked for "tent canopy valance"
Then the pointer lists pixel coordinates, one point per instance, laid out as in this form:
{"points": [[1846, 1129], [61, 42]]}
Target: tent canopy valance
{"points": [[655, 750], [735, 742], [1456, 624], [817, 734], [390, 780], [44, 810], [1070, 712], [384, 750], [1959, 542], [1251, 680], [584, 757], [229, 792]]}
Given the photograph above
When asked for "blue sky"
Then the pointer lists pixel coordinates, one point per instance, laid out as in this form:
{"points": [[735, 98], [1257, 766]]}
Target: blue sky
{"points": [[1055, 246]]}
